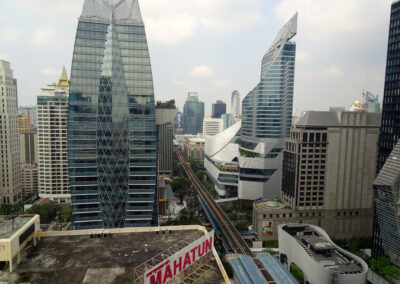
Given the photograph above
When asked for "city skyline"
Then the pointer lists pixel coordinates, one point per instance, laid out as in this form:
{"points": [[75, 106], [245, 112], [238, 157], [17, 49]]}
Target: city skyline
{"points": [[325, 51]]}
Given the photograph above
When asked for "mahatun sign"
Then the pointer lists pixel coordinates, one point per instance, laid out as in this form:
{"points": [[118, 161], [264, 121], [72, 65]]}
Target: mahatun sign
{"points": [[180, 261]]}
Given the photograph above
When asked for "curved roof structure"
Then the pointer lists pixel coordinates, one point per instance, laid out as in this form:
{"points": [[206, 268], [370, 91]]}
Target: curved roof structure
{"points": [[214, 144], [126, 12]]}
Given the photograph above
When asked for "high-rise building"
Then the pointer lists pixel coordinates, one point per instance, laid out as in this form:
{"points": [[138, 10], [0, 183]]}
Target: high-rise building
{"points": [[29, 179], [386, 241], [52, 112], [212, 126], [235, 104], [390, 131], [372, 103], [28, 150], [228, 120], [112, 134], [329, 164], [29, 111], [193, 114], [165, 117], [10, 183], [24, 123], [217, 109], [266, 119]]}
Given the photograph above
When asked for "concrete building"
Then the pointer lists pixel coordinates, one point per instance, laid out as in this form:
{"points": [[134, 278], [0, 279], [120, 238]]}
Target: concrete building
{"points": [[29, 179], [328, 172], [24, 123], [10, 184], [15, 234], [52, 108], [320, 259], [194, 148], [28, 146], [212, 126], [235, 104], [122, 255], [193, 115], [386, 240], [165, 117], [218, 108], [31, 112], [266, 119]]}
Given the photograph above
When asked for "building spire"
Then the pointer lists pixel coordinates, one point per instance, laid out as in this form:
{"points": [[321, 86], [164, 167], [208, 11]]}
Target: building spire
{"points": [[63, 81]]}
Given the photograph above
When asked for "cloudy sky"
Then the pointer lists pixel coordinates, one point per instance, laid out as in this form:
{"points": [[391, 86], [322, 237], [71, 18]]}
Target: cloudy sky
{"points": [[215, 46]]}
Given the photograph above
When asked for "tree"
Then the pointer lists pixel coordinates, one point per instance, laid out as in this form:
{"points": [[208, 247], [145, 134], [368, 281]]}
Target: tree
{"points": [[183, 217], [180, 186], [383, 267], [241, 227]]}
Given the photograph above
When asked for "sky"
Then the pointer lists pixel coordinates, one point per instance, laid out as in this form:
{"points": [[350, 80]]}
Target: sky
{"points": [[215, 46]]}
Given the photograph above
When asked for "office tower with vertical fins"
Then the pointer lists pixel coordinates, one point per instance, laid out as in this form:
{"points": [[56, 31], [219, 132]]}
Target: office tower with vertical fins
{"points": [[112, 134]]}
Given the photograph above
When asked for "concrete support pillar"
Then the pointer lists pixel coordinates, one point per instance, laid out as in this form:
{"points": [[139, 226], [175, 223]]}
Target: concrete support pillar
{"points": [[11, 268], [34, 239], [19, 257]]}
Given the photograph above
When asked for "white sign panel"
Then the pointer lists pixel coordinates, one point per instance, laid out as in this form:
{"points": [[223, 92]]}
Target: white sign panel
{"points": [[179, 261]]}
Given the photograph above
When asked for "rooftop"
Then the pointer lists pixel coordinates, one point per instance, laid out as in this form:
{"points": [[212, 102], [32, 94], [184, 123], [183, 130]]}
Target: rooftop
{"points": [[270, 205], [82, 259], [323, 250], [8, 225]]}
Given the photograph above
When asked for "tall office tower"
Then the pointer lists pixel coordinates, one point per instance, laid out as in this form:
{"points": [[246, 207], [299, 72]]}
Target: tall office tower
{"points": [[386, 239], [10, 184], [329, 164], [31, 112], [24, 123], [52, 112], [218, 108], [112, 134], [228, 120], [29, 179], [266, 119], [212, 126], [235, 104], [193, 114], [372, 103], [390, 131], [28, 149], [165, 118]]}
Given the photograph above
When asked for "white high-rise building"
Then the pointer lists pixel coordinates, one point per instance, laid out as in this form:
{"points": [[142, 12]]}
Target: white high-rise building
{"points": [[212, 126], [235, 104], [52, 113], [10, 184]]}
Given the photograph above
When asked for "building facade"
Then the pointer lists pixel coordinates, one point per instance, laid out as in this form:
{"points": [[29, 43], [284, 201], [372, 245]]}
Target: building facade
{"points": [[386, 241], [112, 134], [31, 112], [320, 259], [52, 111], [29, 179], [235, 104], [193, 115], [390, 131], [266, 119], [329, 165], [212, 126], [218, 108], [194, 148], [24, 123], [10, 183], [28, 146], [165, 118]]}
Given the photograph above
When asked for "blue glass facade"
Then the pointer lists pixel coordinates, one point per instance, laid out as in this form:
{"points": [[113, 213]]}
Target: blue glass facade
{"points": [[112, 135], [193, 115]]}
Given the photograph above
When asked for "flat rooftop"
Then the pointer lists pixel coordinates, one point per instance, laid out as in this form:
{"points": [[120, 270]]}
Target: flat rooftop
{"points": [[8, 226], [323, 250], [81, 259]]}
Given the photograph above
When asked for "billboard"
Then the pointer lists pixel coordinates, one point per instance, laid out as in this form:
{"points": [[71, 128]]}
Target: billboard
{"points": [[179, 261], [267, 228]]}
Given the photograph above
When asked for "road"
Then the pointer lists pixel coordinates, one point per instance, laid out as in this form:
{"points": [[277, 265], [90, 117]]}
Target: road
{"points": [[233, 237]]}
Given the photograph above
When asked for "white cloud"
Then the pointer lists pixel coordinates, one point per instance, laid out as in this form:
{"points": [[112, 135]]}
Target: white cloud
{"points": [[10, 35], [43, 36], [172, 22], [201, 72], [50, 71], [223, 83], [333, 71], [4, 56]]}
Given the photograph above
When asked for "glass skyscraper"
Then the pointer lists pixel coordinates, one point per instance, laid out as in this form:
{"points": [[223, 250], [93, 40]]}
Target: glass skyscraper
{"points": [[390, 131], [218, 109], [193, 114], [112, 135], [267, 117]]}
